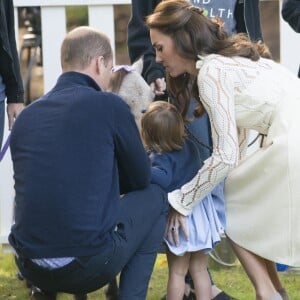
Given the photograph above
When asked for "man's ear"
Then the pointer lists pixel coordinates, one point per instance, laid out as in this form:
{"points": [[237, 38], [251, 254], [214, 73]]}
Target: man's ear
{"points": [[99, 64]]}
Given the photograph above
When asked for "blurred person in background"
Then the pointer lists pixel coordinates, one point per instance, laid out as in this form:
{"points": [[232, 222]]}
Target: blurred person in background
{"points": [[11, 85], [291, 14]]}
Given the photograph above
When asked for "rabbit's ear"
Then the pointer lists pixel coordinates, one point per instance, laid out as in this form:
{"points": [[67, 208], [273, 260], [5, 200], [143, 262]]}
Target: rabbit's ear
{"points": [[138, 65]]}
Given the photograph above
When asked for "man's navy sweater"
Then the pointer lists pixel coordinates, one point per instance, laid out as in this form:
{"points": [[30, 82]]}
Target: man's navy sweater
{"points": [[74, 152]]}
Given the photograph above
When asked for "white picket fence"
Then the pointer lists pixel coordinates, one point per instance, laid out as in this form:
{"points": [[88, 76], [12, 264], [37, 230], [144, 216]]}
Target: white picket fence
{"points": [[101, 15]]}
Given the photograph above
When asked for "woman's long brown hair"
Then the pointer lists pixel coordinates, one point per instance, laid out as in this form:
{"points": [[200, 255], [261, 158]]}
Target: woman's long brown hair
{"points": [[195, 34]]}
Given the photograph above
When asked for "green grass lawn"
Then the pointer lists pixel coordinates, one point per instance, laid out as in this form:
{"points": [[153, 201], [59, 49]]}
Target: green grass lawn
{"points": [[231, 279]]}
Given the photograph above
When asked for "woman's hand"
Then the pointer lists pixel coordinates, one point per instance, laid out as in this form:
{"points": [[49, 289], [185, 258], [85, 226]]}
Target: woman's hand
{"points": [[176, 221]]}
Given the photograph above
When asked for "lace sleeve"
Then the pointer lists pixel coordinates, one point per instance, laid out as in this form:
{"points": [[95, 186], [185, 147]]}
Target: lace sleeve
{"points": [[216, 92]]}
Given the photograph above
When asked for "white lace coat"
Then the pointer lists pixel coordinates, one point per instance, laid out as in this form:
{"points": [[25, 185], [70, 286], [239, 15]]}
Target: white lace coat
{"points": [[241, 95]]}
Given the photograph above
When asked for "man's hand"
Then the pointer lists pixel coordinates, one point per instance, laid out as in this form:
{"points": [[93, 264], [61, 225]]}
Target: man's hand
{"points": [[13, 110]]}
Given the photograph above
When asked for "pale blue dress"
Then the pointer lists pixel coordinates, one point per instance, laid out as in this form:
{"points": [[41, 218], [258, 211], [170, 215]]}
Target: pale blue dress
{"points": [[171, 170]]}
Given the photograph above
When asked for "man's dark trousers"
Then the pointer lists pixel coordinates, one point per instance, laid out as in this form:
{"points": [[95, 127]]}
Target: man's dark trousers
{"points": [[131, 249]]}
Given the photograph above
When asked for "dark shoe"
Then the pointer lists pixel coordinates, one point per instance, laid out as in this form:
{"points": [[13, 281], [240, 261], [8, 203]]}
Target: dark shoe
{"points": [[191, 296], [80, 297], [37, 294], [223, 296]]}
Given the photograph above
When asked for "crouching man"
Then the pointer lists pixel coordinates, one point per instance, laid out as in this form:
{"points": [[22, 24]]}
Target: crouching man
{"points": [[75, 151]]}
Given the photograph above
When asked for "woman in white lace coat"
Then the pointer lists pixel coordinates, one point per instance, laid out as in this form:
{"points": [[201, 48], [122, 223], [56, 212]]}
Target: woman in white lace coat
{"points": [[241, 89]]}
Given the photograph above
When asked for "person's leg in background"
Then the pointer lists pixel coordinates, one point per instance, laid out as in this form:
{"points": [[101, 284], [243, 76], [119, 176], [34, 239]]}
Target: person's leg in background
{"points": [[216, 292]]}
